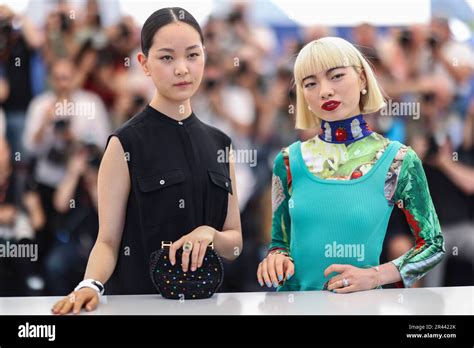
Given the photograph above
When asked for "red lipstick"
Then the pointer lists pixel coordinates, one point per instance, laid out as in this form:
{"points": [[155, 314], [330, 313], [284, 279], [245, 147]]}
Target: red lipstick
{"points": [[330, 105]]}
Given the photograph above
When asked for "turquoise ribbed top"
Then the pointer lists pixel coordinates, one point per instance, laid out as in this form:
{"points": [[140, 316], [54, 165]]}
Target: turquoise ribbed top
{"points": [[335, 221]]}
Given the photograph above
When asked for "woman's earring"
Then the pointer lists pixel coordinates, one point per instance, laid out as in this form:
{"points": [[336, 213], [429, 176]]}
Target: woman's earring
{"points": [[364, 91], [309, 108]]}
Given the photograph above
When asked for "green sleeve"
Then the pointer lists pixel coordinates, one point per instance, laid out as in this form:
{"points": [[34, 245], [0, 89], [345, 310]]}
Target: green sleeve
{"points": [[412, 195], [281, 218]]}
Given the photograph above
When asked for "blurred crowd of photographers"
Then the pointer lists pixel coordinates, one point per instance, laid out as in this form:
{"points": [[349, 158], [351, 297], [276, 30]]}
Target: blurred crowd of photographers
{"points": [[66, 83]]}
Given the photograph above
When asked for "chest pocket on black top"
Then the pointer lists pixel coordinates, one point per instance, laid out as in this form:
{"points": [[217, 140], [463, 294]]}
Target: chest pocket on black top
{"points": [[162, 196], [220, 186]]}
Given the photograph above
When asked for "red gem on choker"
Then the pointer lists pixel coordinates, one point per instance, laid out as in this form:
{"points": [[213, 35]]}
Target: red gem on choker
{"points": [[356, 174], [341, 134]]}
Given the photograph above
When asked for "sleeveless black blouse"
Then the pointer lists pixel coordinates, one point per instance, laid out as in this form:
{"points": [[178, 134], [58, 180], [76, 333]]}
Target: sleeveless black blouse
{"points": [[180, 180]]}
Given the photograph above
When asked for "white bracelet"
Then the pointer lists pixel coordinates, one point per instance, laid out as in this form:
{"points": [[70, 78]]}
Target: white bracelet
{"points": [[91, 283]]}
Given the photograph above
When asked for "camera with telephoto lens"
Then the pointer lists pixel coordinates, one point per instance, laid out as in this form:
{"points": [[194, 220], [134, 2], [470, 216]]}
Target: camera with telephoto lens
{"points": [[405, 38], [6, 30], [94, 155], [433, 41], [59, 152], [65, 22]]}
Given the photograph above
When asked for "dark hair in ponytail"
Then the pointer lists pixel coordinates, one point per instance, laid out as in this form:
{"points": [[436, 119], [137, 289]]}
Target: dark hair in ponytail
{"points": [[163, 17]]}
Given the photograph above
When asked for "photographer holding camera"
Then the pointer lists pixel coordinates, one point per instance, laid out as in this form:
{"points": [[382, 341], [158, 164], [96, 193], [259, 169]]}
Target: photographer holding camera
{"points": [[55, 121], [19, 43], [451, 58]]}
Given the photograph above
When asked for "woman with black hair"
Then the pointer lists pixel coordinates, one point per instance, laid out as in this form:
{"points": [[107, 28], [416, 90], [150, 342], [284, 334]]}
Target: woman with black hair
{"points": [[161, 177]]}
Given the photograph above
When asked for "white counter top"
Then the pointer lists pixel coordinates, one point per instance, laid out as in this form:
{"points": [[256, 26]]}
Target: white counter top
{"points": [[420, 301]]}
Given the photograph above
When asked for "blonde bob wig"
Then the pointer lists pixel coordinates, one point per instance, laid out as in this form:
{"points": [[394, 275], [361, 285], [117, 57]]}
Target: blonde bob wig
{"points": [[322, 55]]}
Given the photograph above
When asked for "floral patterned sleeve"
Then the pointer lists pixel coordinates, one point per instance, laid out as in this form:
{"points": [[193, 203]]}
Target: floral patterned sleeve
{"points": [[412, 196], [281, 217]]}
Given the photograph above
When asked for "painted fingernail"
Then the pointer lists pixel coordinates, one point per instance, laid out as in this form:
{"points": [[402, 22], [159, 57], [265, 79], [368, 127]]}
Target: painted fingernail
{"points": [[269, 285], [280, 277], [289, 276], [261, 283], [334, 291], [275, 285]]}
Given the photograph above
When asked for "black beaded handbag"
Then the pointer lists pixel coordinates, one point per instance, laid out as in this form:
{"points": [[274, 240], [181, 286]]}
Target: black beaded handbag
{"points": [[171, 282]]}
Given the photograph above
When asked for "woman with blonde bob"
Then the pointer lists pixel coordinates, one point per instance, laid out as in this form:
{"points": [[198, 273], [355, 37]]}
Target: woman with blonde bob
{"points": [[332, 195]]}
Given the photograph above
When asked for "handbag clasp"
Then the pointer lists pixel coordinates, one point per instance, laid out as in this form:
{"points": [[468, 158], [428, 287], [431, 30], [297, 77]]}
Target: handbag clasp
{"points": [[165, 244]]}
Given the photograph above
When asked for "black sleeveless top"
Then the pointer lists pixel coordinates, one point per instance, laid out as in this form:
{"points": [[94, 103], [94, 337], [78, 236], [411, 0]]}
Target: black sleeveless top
{"points": [[179, 181]]}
